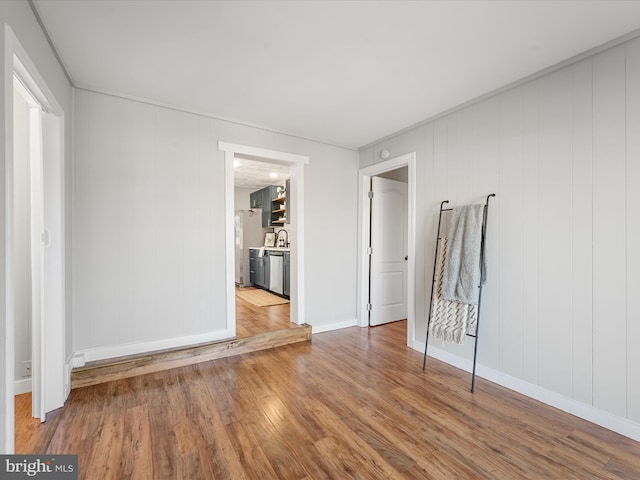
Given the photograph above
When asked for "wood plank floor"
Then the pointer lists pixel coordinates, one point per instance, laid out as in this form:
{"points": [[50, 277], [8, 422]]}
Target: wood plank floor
{"points": [[353, 403], [252, 320]]}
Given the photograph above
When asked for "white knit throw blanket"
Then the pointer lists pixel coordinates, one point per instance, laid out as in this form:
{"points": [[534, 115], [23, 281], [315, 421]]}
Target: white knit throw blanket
{"points": [[450, 321]]}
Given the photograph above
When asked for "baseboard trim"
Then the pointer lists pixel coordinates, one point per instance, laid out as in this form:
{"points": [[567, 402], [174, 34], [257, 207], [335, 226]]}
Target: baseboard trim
{"points": [[587, 412], [327, 327], [22, 386], [82, 357]]}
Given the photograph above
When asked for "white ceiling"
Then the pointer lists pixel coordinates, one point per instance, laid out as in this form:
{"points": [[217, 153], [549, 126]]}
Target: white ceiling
{"points": [[344, 72], [254, 174]]}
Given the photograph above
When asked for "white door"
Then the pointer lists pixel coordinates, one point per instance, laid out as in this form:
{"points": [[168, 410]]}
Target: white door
{"points": [[388, 272], [38, 334], [53, 264]]}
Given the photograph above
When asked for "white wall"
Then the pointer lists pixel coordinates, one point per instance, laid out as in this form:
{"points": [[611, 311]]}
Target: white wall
{"points": [[21, 234], [149, 206], [242, 201], [19, 17], [562, 153]]}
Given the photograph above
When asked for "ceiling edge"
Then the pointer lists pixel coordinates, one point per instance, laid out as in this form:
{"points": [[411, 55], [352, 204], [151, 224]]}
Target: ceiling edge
{"points": [[203, 113], [56, 53], [541, 73]]}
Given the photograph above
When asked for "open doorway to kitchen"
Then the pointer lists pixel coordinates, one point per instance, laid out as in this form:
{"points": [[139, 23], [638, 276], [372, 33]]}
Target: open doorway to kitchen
{"points": [[262, 246], [265, 242]]}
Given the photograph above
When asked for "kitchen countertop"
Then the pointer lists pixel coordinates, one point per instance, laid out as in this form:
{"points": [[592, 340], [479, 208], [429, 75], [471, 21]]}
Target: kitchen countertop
{"points": [[279, 249]]}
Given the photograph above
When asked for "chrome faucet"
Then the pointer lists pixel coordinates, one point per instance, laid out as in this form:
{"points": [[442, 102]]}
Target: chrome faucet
{"points": [[286, 242]]}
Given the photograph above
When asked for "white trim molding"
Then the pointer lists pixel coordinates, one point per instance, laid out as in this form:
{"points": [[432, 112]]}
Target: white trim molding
{"points": [[102, 353], [364, 209], [22, 386], [587, 412], [327, 327]]}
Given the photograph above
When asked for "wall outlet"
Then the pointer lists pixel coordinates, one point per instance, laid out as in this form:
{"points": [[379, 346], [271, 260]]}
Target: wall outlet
{"points": [[26, 368]]}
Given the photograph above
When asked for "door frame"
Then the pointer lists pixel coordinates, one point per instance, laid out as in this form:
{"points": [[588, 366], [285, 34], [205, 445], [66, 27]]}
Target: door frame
{"points": [[296, 164], [364, 210], [51, 331]]}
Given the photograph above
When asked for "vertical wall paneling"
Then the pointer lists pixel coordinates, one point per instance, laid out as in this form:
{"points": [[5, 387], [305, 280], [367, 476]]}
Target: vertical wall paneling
{"points": [[463, 181], [554, 236], [486, 165], [609, 214], [170, 203], [138, 220], [440, 186], [80, 228], [633, 229], [464, 172], [510, 225], [530, 233], [582, 226], [429, 204], [453, 169], [102, 220], [421, 242]]}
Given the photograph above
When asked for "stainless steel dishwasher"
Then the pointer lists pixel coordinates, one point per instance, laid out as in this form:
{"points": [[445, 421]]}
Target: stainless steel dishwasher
{"points": [[276, 275]]}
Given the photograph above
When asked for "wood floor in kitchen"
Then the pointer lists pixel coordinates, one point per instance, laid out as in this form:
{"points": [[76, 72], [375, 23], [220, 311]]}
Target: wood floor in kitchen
{"points": [[252, 320]]}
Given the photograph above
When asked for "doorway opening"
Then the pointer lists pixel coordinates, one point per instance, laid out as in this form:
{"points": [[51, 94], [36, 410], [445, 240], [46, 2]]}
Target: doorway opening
{"points": [[386, 273], [33, 324], [262, 245], [281, 211]]}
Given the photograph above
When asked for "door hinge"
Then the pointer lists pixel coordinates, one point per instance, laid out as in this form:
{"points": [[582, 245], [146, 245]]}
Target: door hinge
{"points": [[370, 194], [369, 306], [370, 250]]}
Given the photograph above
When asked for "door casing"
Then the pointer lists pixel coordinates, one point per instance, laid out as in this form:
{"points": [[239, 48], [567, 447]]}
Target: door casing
{"points": [[364, 214], [52, 325]]}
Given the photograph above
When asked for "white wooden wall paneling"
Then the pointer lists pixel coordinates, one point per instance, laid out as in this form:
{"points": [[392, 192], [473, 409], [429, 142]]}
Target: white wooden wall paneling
{"points": [[555, 231], [441, 190], [104, 197], [609, 215], [464, 172], [430, 206], [530, 234], [633, 229], [486, 165], [81, 188], [139, 221], [581, 234], [423, 281], [171, 222], [462, 143], [453, 167], [204, 204], [510, 225]]}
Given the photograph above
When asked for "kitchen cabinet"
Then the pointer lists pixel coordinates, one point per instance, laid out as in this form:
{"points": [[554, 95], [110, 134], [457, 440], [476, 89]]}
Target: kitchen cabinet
{"points": [[287, 274], [287, 203], [256, 269], [259, 269], [273, 207], [278, 211], [255, 199]]}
